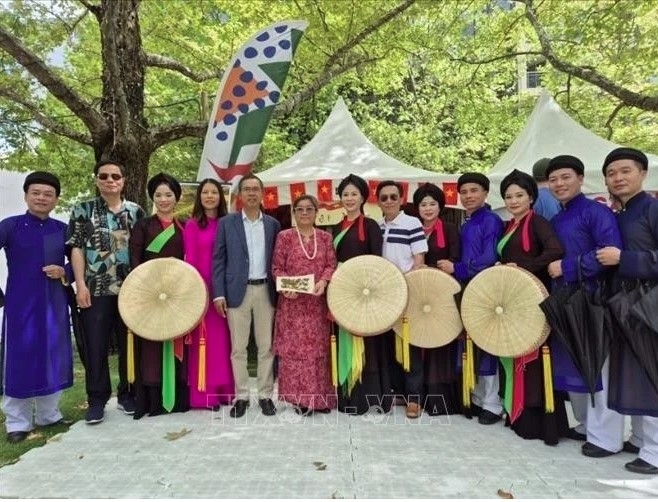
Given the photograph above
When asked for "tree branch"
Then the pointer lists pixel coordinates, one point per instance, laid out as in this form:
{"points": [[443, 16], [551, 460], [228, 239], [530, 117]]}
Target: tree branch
{"points": [[57, 87], [366, 32], [287, 107], [44, 120], [160, 136], [158, 61], [589, 74], [608, 123], [495, 58], [93, 8]]}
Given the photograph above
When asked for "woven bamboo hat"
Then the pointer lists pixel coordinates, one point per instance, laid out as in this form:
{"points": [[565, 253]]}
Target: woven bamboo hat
{"points": [[500, 311], [162, 299], [367, 295], [433, 315]]}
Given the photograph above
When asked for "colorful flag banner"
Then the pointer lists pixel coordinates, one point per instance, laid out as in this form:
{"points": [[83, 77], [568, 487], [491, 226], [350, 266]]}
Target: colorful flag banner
{"points": [[249, 89]]}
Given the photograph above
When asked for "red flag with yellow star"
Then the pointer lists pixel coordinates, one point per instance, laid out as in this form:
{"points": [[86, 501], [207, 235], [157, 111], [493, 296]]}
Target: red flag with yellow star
{"points": [[296, 191], [450, 191], [270, 197], [372, 185], [324, 191]]}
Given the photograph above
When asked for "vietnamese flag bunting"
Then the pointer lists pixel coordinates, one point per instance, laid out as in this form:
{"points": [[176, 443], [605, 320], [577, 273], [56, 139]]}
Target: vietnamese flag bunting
{"points": [[372, 185], [325, 193], [405, 191], [296, 191], [271, 197], [450, 191]]}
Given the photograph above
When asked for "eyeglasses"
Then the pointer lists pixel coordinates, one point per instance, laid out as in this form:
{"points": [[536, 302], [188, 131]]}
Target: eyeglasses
{"points": [[300, 210], [106, 176], [393, 197]]}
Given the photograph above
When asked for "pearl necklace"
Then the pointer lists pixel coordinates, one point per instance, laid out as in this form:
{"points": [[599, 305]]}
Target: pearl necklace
{"points": [[315, 245]]}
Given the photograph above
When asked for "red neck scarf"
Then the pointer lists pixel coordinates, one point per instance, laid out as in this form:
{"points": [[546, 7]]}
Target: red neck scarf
{"points": [[438, 229], [359, 221], [525, 231]]}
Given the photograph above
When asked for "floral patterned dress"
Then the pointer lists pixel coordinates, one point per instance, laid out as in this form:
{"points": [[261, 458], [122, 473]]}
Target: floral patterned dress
{"points": [[302, 328]]}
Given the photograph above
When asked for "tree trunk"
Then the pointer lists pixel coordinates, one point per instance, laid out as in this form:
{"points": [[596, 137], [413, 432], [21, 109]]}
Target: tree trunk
{"points": [[122, 103]]}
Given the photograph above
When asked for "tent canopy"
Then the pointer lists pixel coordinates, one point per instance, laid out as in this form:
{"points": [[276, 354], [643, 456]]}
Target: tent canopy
{"points": [[338, 149], [550, 132]]}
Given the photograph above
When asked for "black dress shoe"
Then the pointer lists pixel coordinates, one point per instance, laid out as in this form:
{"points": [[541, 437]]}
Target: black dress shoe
{"points": [[16, 436], [217, 407], [641, 467], [267, 407], [61, 421], [591, 450], [488, 418], [631, 448], [303, 411], [239, 408], [576, 436]]}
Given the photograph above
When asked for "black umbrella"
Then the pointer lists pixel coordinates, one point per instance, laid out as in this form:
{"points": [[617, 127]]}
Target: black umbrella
{"points": [[580, 320], [641, 339], [646, 308], [76, 323]]}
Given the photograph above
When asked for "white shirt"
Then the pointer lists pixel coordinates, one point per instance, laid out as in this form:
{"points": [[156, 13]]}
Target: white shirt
{"points": [[254, 232], [403, 238]]}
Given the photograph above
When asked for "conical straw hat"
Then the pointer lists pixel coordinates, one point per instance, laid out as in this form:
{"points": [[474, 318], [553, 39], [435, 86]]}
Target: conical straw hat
{"points": [[500, 311], [162, 299], [433, 315], [367, 295]]}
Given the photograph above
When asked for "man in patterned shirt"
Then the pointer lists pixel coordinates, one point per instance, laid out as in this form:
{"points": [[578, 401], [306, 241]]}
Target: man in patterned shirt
{"points": [[98, 234]]}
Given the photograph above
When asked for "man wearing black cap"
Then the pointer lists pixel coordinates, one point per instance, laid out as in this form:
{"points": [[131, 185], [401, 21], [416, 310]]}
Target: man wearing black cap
{"points": [[583, 226], [631, 392], [98, 235], [479, 236], [36, 349], [546, 205]]}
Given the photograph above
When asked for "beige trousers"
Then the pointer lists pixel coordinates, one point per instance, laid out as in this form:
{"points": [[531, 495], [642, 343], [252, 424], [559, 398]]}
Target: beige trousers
{"points": [[256, 301]]}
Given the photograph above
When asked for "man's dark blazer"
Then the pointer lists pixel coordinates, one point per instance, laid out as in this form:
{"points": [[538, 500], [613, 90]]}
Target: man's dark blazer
{"points": [[230, 263]]}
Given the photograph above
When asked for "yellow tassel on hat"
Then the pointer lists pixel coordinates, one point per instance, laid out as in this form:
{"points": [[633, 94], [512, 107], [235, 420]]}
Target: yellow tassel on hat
{"points": [[399, 357], [406, 363], [549, 398], [201, 384], [358, 361], [470, 363], [334, 361], [466, 391], [130, 357]]}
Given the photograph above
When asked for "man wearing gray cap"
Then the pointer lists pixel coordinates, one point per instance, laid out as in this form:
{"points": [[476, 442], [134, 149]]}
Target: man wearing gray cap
{"points": [[546, 205]]}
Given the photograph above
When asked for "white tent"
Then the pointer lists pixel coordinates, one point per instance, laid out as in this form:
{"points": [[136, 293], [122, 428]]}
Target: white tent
{"points": [[549, 132], [338, 149]]}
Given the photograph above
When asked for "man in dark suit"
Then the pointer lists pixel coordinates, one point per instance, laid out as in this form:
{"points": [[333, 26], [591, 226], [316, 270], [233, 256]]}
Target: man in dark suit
{"points": [[243, 287]]}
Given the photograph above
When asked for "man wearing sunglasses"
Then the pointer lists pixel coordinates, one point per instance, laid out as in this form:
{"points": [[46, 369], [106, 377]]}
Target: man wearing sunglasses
{"points": [[404, 245], [98, 234]]}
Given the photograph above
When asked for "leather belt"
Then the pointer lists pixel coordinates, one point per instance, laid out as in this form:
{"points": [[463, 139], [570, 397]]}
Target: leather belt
{"points": [[256, 282]]}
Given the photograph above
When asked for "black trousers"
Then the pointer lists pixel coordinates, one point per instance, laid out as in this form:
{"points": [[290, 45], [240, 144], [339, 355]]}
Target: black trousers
{"points": [[407, 384], [100, 321]]}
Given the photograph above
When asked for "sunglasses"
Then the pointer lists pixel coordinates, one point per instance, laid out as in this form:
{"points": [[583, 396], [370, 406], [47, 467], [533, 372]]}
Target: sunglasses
{"points": [[393, 197], [106, 176], [304, 209]]}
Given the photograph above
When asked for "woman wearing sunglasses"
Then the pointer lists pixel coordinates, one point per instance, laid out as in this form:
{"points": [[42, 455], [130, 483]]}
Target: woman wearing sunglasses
{"points": [[301, 327]]}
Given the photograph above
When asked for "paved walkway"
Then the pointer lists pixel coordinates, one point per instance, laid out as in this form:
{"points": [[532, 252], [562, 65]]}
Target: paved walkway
{"points": [[210, 455]]}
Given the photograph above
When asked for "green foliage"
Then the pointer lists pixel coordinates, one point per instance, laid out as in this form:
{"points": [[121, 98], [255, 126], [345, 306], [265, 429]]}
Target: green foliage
{"points": [[429, 87]]}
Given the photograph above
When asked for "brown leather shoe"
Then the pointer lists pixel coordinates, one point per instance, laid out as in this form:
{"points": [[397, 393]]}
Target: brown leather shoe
{"points": [[413, 410]]}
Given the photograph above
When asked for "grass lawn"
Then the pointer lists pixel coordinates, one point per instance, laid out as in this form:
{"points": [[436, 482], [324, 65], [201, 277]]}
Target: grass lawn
{"points": [[73, 406]]}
